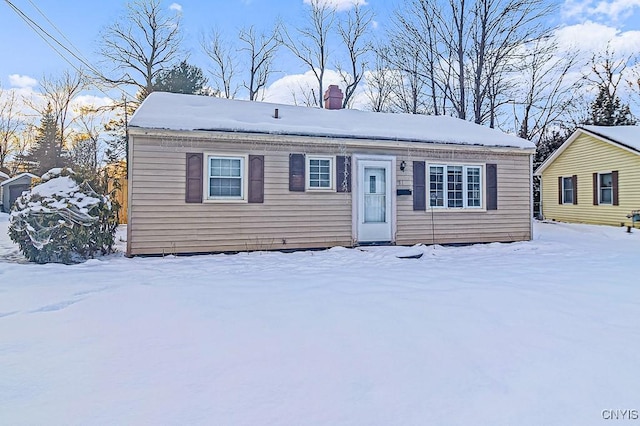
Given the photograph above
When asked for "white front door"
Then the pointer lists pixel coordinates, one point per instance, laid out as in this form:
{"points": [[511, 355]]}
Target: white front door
{"points": [[375, 214]]}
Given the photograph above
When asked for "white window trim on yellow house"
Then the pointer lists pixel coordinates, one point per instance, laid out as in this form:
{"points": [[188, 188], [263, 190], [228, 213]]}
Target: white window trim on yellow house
{"points": [[617, 151], [565, 190], [600, 188]]}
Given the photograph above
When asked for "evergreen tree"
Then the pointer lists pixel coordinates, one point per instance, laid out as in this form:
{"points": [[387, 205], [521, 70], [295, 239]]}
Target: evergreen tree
{"points": [[46, 152], [546, 146], [607, 110], [116, 136], [182, 78]]}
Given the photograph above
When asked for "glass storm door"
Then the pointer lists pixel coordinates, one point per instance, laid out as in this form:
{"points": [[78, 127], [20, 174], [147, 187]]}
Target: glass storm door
{"points": [[374, 193]]}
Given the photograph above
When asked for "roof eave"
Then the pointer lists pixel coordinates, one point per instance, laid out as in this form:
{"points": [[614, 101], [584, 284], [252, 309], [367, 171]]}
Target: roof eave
{"points": [[571, 139], [611, 140], [383, 141], [5, 182]]}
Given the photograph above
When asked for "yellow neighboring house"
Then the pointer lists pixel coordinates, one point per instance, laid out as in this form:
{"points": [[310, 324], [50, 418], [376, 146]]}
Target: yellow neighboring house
{"points": [[594, 177]]}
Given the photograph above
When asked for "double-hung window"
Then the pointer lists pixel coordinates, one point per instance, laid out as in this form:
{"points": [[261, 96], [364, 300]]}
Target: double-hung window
{"points": [[226, 178], [567, 190], [605, 188], [319, 173], [473, 187], [455, 186]]}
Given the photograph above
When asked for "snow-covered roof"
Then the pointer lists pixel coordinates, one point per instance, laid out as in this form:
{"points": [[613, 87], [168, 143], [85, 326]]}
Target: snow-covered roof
{"points": [[170, 111], [8, 181], [626, 137], [3, 175]]}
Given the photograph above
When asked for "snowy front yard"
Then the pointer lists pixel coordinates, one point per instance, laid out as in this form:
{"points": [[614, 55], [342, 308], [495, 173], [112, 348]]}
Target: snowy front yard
{"points": [[539, 333]]}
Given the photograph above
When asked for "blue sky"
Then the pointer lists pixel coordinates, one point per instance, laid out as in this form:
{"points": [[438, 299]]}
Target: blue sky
{"points": [[81, 23], [26, 57]]}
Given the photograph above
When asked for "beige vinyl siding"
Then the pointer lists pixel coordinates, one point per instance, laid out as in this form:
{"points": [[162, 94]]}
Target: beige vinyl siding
{"points": [[585, 156], [161, 222], [511, 222]]}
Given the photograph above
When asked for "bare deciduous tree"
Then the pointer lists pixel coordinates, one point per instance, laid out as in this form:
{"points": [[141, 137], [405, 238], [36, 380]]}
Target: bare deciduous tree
{"points": [[545, 90], [499, 28], [141, 44], [608, 70], [59, 93], [310, 43], [225, 63], [418, 52], [463, 51], [408, 81], [9, 125], [261, 49], [379, 82], [87, 148], [24, 142], [454, 36], [353, 32]]}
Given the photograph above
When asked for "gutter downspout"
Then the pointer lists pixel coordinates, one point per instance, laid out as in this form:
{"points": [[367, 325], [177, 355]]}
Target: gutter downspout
{"points": [[531, 200]]}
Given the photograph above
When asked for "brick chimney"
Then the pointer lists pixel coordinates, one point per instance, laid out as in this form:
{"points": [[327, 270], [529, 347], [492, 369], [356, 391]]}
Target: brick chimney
{"points": [[333, 97]]}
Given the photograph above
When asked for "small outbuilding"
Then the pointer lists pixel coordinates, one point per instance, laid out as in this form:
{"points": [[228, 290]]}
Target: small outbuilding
{"points": [[11, 189], [594, 177], [213, 175]]}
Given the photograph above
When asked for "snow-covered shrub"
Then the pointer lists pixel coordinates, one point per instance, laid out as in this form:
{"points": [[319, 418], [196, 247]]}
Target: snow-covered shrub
{"points": [[63, 220]]}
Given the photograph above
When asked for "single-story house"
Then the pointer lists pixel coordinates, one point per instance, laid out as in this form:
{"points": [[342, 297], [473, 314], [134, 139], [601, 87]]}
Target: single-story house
{"points": [[214, 175], [593, 177], [12, 188], [3, 177]]}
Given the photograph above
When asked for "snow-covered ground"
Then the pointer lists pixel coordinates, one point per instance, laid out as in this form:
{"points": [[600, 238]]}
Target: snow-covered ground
{"points": [[537, 333]]}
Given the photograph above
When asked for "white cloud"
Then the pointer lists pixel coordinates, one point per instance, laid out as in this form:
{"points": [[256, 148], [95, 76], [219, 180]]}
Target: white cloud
{"points": [[592, 37], [589, 36], [339, 4], [22, 81], [296, 89], [91, 101], [176, 6], [375, 25], [611, 11], [575, 9], [615, 9]]}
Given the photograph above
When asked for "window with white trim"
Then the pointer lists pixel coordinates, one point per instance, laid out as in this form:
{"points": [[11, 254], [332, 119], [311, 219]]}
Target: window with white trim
{"points": [[226, 177], [455, 186], [567, 190], [474, 187], [436, 186], [319, 173], [605, 188]]}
